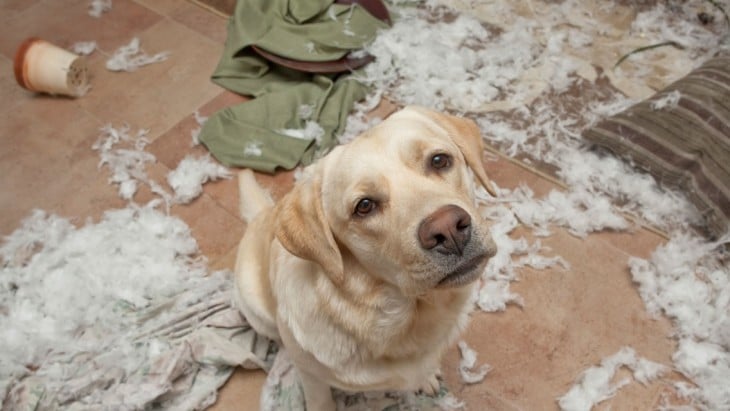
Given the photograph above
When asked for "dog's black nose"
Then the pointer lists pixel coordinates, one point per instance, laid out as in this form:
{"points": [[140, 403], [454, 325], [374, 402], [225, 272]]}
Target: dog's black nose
{"points": [[446, 231]]}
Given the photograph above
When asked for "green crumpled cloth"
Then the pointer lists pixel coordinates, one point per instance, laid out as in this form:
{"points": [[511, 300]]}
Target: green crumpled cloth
{"points": [[258, 133]]}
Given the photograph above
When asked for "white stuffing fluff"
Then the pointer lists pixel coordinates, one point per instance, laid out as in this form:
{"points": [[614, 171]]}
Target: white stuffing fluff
{"points": [[579, 211], [89, 264], [608, 176], [467, 363], [533, 259], [614, 105], [305, 111], [199, 118], [68, 291], [130, 57], [595, 384], [254, 149], [652, 26], [415, 49], [689, 281], [99, 7], [596, 183], [188, 178], [195, 137], [123, 152], [127, 165], [494, 293], [449, 402], [361, 118], [512, 140], [669, 100], [311, 131], [357, 124], [84, 48], [195, 133], [646, 371]]}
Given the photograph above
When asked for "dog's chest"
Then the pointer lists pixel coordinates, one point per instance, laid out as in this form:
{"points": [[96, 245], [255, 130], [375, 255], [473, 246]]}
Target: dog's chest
{"points": [[429, 324]]}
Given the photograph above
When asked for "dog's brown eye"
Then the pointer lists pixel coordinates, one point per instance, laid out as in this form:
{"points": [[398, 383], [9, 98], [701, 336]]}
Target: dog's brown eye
{"points": [[365, 207], [440, 161]]}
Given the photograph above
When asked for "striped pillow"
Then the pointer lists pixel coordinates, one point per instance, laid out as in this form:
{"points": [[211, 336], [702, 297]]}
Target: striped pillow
{"points": [[685, 145]]}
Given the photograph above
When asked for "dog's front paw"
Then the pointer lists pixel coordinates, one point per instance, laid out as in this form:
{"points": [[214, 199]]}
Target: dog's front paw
{"points": [[431, 385]]}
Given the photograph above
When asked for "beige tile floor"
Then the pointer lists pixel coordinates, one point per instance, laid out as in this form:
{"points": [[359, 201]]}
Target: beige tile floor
{"points": [[571, 318]]}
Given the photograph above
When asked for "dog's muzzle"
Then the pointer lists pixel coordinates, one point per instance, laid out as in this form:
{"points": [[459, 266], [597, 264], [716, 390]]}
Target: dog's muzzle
{"points": [[447, 235], [447, 231]]}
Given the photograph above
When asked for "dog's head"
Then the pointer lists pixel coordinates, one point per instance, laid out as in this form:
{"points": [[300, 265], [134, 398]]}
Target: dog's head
{"points": [[398, 200]]}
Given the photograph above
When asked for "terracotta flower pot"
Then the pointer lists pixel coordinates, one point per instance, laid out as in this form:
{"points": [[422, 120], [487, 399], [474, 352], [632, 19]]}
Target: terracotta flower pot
{"points": [[43, 67]]}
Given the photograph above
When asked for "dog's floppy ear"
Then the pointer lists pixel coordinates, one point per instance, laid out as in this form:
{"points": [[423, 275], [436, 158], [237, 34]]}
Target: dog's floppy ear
{"points": [[301, 227], [466, 135]]}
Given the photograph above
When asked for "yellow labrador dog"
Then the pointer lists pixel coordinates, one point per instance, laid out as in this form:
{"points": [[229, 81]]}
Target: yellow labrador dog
{"points": [[364, 271]]}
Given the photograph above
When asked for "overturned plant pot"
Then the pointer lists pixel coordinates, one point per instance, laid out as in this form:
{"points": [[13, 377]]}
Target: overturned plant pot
{"points": [[43, 67]]}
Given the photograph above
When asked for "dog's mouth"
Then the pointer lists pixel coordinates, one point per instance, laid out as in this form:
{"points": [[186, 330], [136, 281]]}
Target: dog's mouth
{"points": [[464, 273]]}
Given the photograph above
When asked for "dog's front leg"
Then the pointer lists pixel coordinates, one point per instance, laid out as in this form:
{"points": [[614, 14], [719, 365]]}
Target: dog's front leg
{"points": [[431, 385], [317, 394]]}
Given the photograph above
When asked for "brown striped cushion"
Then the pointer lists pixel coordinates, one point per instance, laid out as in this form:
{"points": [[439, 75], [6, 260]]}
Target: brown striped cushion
{"points": [[686, 147]]}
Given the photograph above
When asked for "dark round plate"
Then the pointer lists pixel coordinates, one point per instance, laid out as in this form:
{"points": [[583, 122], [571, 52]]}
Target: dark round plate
{"points": [[347, 63]]}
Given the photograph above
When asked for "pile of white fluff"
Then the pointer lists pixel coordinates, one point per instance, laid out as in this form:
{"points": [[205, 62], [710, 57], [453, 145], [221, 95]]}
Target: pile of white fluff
{"points": [[68, 291], [191, 173], [595, 384], [195, 133], [130, 57], [688, 280], [58, 280], [467, 364], [127, 164], [99, 7], [601, 188], [84, 48], [494, 294], [123, 153], [311, 131], [446, 64]]}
